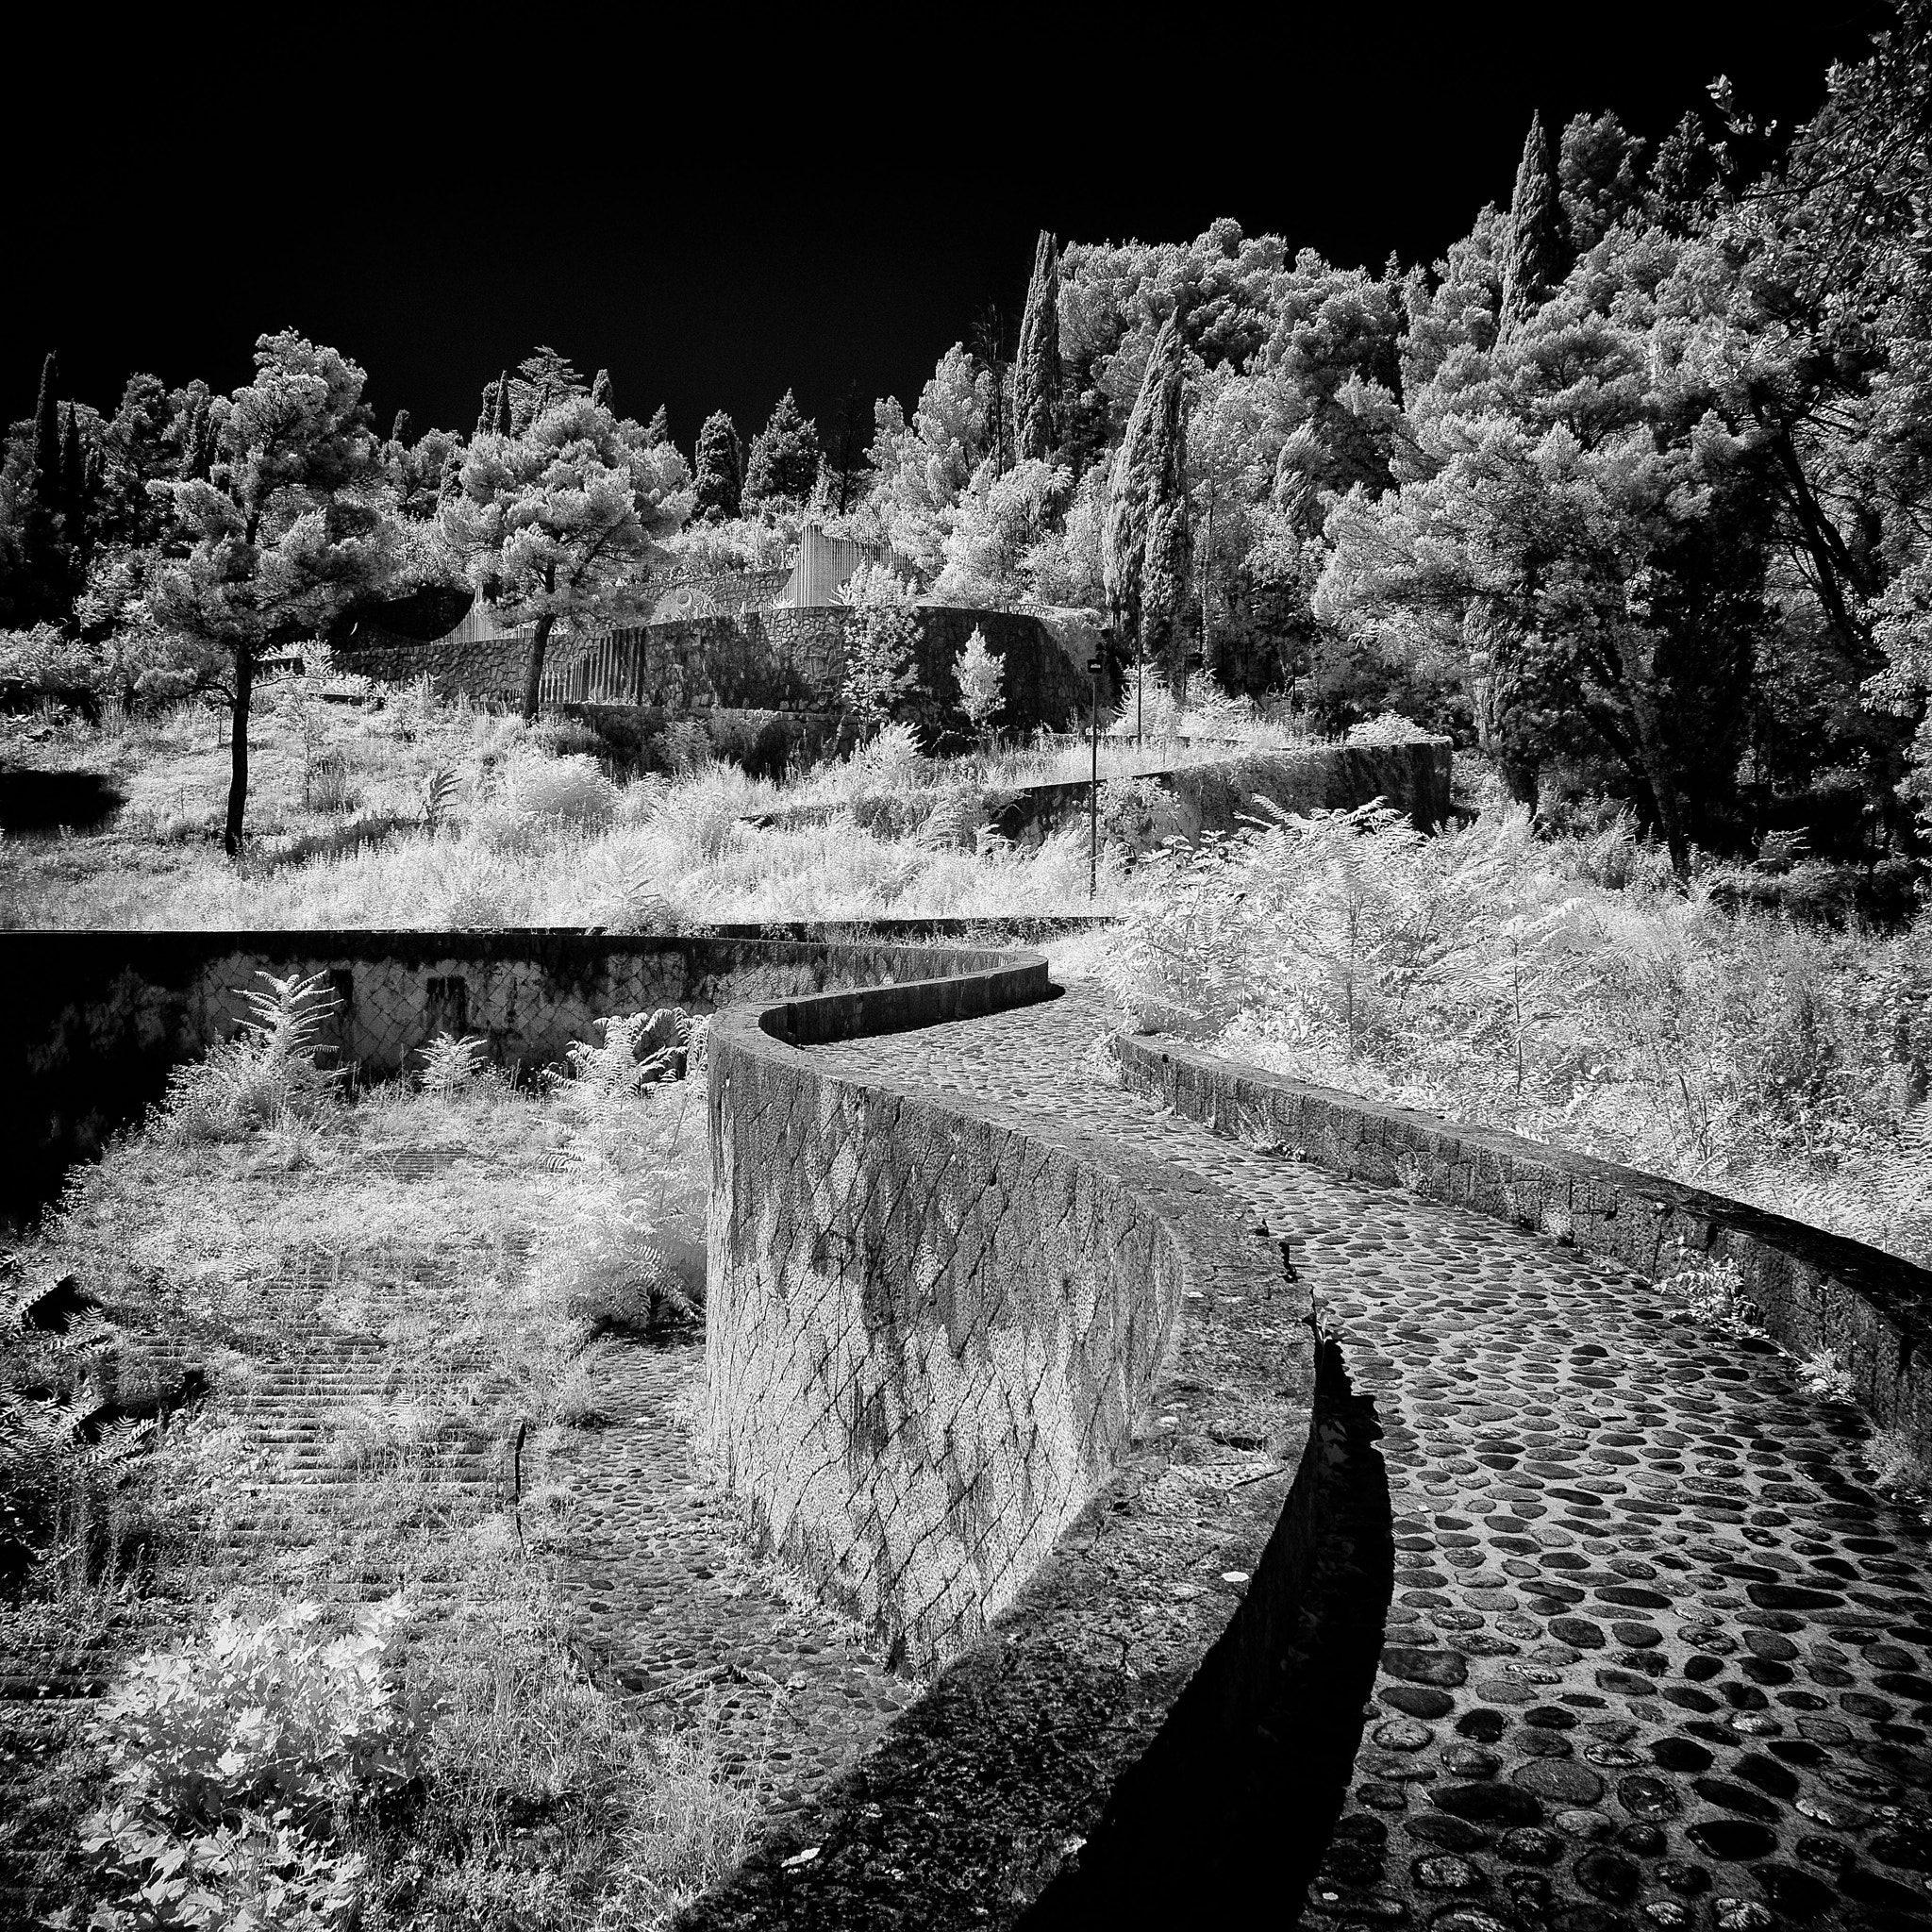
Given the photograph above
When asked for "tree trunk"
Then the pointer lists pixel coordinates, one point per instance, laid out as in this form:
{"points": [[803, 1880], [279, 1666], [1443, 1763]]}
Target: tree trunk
{"points": [[1521, 778], [533, 682], [238, 750]]}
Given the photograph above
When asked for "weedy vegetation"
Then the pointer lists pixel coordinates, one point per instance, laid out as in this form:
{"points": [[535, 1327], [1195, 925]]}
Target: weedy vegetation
{"points": [[357, 1699]]}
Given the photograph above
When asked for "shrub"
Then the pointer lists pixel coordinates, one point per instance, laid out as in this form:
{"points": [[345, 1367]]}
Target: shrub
{"points": [[569, 789], [233, 1766], [1391, 728]]}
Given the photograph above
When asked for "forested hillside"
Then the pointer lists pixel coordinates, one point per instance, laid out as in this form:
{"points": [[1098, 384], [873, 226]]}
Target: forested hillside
{"points": [[1629, 490]]}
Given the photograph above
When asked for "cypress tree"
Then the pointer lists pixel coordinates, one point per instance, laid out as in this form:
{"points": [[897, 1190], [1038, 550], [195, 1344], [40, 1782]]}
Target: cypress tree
{"points": [[400, 427], [503, 418], [1037, 362], [720, 469], [47, 435], [486, 416], [784, 461], [73, 466], [1146, 542], [1533, 254], [659, 428], [602, 393]]}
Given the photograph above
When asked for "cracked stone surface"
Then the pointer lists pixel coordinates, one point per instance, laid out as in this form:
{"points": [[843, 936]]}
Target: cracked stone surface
{"points": [[1652, 1652]]}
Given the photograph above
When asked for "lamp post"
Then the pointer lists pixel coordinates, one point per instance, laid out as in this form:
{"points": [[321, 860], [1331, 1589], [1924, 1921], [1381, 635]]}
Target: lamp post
{"points": [[1093, 664]]}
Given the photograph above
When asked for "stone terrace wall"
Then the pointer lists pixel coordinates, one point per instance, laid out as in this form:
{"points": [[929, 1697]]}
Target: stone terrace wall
{"points": [[97, 1019], [776, 660], [926, 1335], [1813, 1289], [1415, 778]]}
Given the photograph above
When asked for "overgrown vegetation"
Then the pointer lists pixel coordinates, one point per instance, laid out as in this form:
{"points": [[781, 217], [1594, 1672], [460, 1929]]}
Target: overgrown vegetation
{"points": [[1569, 990], [290, 1755]]}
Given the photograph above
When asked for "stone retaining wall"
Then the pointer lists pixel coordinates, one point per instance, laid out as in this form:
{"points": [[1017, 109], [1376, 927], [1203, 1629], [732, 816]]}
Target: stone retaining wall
{"points": [[1415, 778], [934, 1345], [98, 1019], [776, 660], [926, 1335], [1812, 1290]]}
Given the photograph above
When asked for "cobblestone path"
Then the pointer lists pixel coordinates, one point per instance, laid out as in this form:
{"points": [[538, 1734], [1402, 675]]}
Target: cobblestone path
{"points": [[1608, 1629], [653, 1564]]}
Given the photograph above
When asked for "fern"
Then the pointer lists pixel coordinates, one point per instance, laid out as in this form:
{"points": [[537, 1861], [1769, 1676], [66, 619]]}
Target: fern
{"points": [[439, 796], [450, 1065], [268, 1071]]}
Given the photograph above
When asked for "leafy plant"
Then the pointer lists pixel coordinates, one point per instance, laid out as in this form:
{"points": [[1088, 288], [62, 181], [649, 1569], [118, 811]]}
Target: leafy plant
{"points": [[440, 790], [233, 1766]]}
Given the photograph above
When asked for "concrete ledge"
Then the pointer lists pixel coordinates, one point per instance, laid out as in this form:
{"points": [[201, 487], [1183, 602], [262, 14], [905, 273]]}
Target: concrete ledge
{"points": [[1108, 1622], [1813, 1289]]}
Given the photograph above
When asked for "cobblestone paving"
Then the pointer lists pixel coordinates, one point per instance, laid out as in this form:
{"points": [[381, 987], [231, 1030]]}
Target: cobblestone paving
{"points": [[1652, 1652], [653, 1562]]}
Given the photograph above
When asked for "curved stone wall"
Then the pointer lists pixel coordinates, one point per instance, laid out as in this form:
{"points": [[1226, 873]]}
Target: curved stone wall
{"points": [[928, 1335], [1812, 1290], [1043, 1409]]}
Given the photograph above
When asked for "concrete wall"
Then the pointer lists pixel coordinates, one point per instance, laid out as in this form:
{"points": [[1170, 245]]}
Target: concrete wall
{"points": [[97, 1020], [1813, 1289], [926, 1335]]}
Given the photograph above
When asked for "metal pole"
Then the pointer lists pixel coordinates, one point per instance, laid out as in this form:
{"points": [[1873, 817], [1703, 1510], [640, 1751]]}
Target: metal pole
{"points": [[1094, 796], [1093, 788]]}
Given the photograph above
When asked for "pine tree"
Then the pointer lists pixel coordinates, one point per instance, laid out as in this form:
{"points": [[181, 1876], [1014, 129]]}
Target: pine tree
{"points": [[659, 428], [720, 470], [47, 435], [602, 392], [503, 425], [1147, 544], [784, 461], [1533, 255], [1037, 363]]}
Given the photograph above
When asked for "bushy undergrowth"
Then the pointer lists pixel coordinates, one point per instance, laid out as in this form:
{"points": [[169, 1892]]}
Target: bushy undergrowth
{"points": [[1564, 990], [469, 818], [455, 1765]]}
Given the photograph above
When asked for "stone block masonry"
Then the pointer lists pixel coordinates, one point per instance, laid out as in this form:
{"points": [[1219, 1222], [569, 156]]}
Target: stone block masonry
{"points": [[927, 1336], [775, 660]]}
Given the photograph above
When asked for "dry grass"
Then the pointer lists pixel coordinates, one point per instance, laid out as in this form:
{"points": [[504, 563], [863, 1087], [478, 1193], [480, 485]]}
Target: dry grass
{"points": [[466, 818]]}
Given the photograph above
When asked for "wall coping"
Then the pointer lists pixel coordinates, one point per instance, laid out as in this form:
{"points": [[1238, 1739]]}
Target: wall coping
{"points": [[1812, 1288], [1038, 1764]]}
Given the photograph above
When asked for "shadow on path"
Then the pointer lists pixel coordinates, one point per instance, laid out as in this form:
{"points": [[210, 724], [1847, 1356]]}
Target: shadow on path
{"points": [[1234, 1807]]}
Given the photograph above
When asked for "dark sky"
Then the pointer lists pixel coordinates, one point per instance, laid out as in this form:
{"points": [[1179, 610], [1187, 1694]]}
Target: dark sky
{"points": [[717, 223]]}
